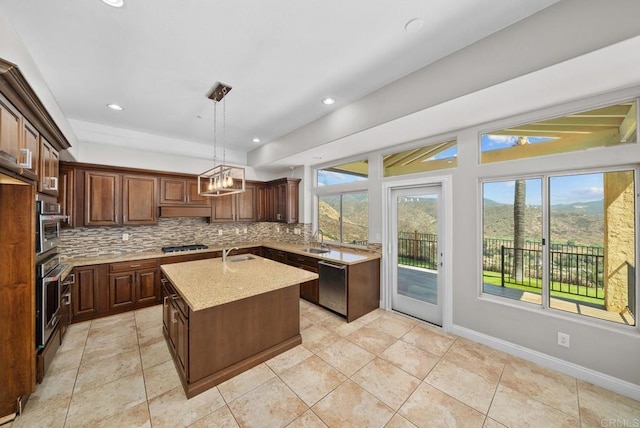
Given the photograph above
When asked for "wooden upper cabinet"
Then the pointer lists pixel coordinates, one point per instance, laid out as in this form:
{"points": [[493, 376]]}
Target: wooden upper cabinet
{"points": [[173, 191], [10, 124], [236, 207], [281, 200], [139, 205], [49, 165], [66, 195], [30, 144], [181, 191], [223, 209], [112, 199], [102, 199]]}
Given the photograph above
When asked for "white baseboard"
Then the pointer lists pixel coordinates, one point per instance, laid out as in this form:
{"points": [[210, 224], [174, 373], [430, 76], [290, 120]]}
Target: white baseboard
{"points": [[611, 383]]}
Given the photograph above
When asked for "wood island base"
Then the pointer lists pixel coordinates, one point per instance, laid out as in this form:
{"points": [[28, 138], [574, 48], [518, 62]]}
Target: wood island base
{"points": [[212, 345]]}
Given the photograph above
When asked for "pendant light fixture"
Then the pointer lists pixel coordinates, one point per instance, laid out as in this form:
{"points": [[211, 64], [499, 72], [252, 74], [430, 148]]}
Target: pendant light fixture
{"points": [[221, 179]]}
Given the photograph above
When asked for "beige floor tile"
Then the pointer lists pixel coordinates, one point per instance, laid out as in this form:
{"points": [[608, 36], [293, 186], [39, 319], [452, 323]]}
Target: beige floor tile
{"points": [[430, 407], [348, 328], [52, 414], [76, 336], [386, 382], [54, 387], [149, 335], [308, 420], [134, 417], [245, 382], [153, 349], [478, 358], [371, 316], [305, 323], [93, 374], [346, 356], [514, 409], [105, 401], [101, 347], [351, 406], [463, 384], [160, 379], [429, 339], [371, 339], [221, 418], [315, 313], [112, 320], [548, 386], [398, 421], [490, 423], [68, 359], [333, 321], [598, 405], [312, 379], [393, 324], [272, 404], [148, 317], [411, 359], [316, 338], [288, 359], [172, 409]]}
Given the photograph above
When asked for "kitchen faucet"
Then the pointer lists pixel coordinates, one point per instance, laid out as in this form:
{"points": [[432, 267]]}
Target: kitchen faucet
{"points": [[319, 235], [225, 253]]}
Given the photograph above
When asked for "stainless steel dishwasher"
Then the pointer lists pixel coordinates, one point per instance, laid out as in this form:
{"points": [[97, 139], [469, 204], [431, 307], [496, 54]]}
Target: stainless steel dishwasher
{"points": [[333, 286]]}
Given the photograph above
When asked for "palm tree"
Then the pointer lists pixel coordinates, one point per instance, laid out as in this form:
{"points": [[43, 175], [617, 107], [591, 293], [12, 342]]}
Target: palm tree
{"points": [[519, 225]]}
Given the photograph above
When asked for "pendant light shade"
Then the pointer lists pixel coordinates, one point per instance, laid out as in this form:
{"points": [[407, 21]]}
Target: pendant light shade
{"points": [[221, 179]]}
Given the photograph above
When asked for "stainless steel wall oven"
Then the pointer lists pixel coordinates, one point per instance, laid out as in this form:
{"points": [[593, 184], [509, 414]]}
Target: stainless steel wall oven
{"points": [[48, 299]]}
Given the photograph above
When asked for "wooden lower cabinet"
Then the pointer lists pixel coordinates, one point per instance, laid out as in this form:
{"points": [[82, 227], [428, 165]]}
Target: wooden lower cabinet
{"points": [[89, 293], [133, 284], [309, 289]]}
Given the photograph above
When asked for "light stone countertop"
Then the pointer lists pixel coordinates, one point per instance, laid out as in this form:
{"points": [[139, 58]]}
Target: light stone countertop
{"points": [[207, 283], [337, 254]]}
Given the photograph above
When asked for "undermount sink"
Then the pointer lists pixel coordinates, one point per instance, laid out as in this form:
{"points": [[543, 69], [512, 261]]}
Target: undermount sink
{"points": [[315, 250], [240, 258]]}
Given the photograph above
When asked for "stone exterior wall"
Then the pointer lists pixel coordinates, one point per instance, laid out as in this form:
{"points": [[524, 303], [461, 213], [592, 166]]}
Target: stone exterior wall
{"points": [[619, 246], [101, 241]]}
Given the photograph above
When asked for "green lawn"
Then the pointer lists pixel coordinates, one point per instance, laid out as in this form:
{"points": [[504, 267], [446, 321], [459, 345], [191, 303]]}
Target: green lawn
{"points": [[494, 278]]}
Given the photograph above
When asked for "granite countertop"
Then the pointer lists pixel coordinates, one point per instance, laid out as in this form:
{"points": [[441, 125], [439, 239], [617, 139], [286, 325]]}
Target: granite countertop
{"points": [[339, 255], [207, 283]]}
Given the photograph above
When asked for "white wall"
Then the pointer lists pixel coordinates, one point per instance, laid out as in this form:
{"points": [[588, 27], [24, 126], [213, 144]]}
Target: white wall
{"points": [[13, 50]]}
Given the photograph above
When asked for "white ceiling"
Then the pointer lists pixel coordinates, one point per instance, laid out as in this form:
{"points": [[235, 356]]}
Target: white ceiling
{"points": [[161, 58]]}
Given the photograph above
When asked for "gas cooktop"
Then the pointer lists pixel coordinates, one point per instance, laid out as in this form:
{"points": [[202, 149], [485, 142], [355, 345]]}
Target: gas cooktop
{"points": [[179, 248]]}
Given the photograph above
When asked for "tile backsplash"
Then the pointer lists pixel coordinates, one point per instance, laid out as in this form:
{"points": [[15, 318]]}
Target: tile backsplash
{"points": [[100, 241]]}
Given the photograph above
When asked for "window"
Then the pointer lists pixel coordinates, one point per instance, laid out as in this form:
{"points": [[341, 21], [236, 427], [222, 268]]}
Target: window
{"points": [[607, 126], [341, 174], [422, 159], [344, 217], [587, 266]]}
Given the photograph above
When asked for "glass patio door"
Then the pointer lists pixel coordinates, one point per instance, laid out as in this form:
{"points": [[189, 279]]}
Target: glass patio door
{"points": [[416, 224]]}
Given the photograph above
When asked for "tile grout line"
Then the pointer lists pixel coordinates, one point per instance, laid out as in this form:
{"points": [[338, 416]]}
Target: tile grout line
{"points": [[84, 347], [144, 379]]}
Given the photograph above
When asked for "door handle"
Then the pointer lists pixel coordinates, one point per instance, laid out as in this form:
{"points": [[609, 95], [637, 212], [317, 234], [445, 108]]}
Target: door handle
{"points": [[28, 159]]}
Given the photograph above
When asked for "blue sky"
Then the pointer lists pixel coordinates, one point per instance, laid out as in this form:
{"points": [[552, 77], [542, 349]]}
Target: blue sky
{"points": [[328, 178], [563, 190], [490, 142]]}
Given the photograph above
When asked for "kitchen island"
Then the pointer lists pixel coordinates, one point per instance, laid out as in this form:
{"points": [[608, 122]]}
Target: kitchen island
{"points": [[222, 318]]}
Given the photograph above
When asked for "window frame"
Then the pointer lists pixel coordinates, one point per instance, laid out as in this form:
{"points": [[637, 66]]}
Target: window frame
{"points": [[341, 194], [545, 306]]}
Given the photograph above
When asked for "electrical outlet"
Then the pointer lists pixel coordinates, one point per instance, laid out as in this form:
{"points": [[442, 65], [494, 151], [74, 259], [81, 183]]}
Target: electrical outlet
{"points": [[125, 236], [237, 231], [564, 340], [220, 232]]}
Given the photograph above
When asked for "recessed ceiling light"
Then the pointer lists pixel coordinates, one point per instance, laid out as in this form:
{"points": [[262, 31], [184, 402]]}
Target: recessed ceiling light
{"points": [[115, 107], [114, 3], [328, 101], [413, 26], [256, 140]]}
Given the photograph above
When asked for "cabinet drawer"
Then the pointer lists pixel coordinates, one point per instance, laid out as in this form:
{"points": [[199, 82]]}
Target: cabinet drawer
{"points": [[171, 295], [133, 265], [293, 258]]}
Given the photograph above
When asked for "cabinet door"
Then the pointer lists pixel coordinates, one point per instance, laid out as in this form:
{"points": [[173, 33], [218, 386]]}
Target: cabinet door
{"points": [[261, 203], [166, 307], [271, 203], [139, 200], [309, 289], [193, 197], [223, 209], [147, 285], [66, 195], [246, 209], [10, 123], [30, 141], [85, 293], [66, 311], [121, 290], [173, 191], [101, 198], [48, 172], [292, 195], [179, 328]]}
